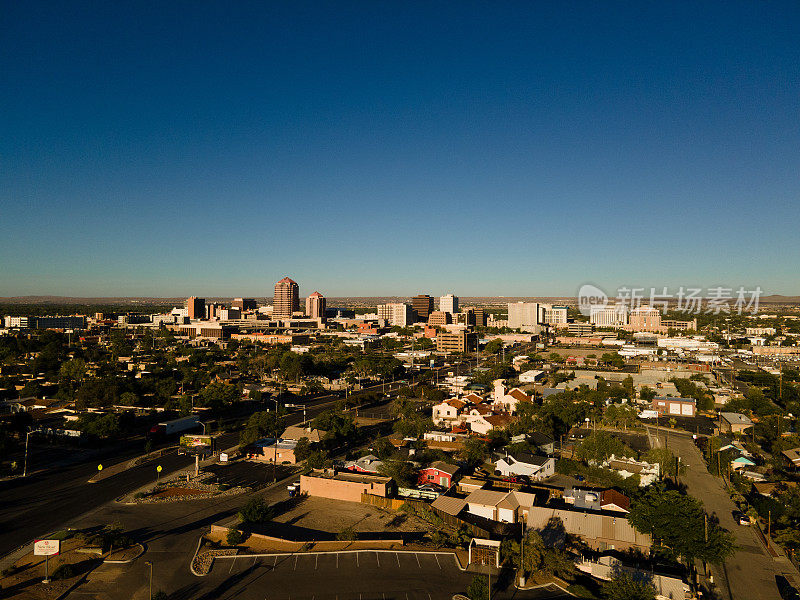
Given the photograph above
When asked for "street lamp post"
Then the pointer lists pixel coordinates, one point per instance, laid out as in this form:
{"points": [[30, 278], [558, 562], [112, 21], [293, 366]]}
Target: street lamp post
{"points": [[25, 467]]}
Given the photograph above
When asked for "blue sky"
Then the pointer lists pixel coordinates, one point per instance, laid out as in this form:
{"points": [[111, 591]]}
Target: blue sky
{"points": [[209, 148]]}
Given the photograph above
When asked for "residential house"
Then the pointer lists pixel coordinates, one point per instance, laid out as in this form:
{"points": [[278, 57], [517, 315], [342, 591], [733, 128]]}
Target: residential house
{"points": [[608, 500], [793, 456], [440, 473], [366, 464], [483, 425], [730, 422], [296, 432], [448, 412], [524, 463], [503, 507]]}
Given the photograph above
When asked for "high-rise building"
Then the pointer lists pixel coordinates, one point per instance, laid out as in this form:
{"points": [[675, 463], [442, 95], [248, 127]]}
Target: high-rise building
{"points": [[315, 306], [287, 298], [523, 315], [448, 303], [553, 315], [398, 314], [439, 319], [244, 304], [645, 318], [458, 341], [196, 307], [423, 306]]}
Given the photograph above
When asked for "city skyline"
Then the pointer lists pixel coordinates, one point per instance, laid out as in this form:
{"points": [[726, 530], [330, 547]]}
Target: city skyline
{"points": [[522, 150]]}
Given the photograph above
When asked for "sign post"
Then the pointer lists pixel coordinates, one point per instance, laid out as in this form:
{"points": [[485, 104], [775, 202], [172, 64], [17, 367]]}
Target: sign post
{"points": [[158, 473], [46, 548]]}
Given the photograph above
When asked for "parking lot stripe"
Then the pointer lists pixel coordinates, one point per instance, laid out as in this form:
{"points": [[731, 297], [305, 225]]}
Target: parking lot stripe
{"points": [[378, 559], [357, 559], [233, 562], [397, 556], [337, 560], [417, 556], [295, 562], [436, 556], [316, 564]]}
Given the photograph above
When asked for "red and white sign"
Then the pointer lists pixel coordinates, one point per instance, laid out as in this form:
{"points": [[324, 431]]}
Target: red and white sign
{"points": [[46, 547]]}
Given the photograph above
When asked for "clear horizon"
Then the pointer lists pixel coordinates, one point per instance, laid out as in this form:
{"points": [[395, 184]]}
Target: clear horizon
{"points": [[165, 150]]}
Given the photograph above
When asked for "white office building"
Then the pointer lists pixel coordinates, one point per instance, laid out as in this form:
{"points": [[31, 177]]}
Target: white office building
{"points": [[448, 304], [552, 315], [609, 316], [397, 314], [524, 316]]}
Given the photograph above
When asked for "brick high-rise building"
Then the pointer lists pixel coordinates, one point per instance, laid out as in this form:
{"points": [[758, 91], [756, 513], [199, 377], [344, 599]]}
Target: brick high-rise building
{"points": [[423, 306], [287, 298], [315, 306], [196, 307], [244, 304]]}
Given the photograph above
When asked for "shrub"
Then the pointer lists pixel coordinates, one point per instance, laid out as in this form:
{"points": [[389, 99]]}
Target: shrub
{"points": [[256, 511], [234, 537], [65, 571]]}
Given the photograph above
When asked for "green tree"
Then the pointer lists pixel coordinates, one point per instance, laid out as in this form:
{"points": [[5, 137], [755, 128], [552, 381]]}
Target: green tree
{"points": [[678, 523], [626, 587], [403, 473], [217, 395], [600, 445], [303, 449], [647, 394]]}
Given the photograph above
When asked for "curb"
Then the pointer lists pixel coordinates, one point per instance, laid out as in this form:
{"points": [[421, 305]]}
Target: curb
{"points": [[196, 550], [142, 550]]}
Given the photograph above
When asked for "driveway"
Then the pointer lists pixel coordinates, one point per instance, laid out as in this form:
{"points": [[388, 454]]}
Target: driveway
{"points": [[750, 573]]}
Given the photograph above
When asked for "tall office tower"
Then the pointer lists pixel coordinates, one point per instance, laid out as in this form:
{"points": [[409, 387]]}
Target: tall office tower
{"points": [[315, 306], [398, 314], [523, 315], [423, 306], [244, 304], [196, 307], [287, 298], [448, 303]]}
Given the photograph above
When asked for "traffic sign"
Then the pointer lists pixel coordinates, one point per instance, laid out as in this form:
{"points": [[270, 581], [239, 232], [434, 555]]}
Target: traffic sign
{"points": [[158, 468], [99, 467]]}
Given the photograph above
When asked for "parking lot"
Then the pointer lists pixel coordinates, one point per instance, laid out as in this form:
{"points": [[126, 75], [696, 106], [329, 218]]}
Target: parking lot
{"points": [[341, 576], [364, 575], [246, 473]]}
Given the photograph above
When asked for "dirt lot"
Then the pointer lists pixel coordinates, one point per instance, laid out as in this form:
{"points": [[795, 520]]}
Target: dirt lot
{"points": [[332, 516]]}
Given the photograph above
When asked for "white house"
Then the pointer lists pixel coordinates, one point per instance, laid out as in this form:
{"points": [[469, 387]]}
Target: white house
{"points": [[523, 463]]}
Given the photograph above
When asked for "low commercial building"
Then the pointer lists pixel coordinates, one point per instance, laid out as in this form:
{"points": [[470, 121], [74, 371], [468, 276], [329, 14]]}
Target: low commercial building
{"points": [[669, 405], [270, 450], [348, 487]]}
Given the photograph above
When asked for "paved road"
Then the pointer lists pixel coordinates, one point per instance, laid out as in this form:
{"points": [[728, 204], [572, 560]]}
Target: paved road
{"points": [[750, 573], [48, 500]]}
